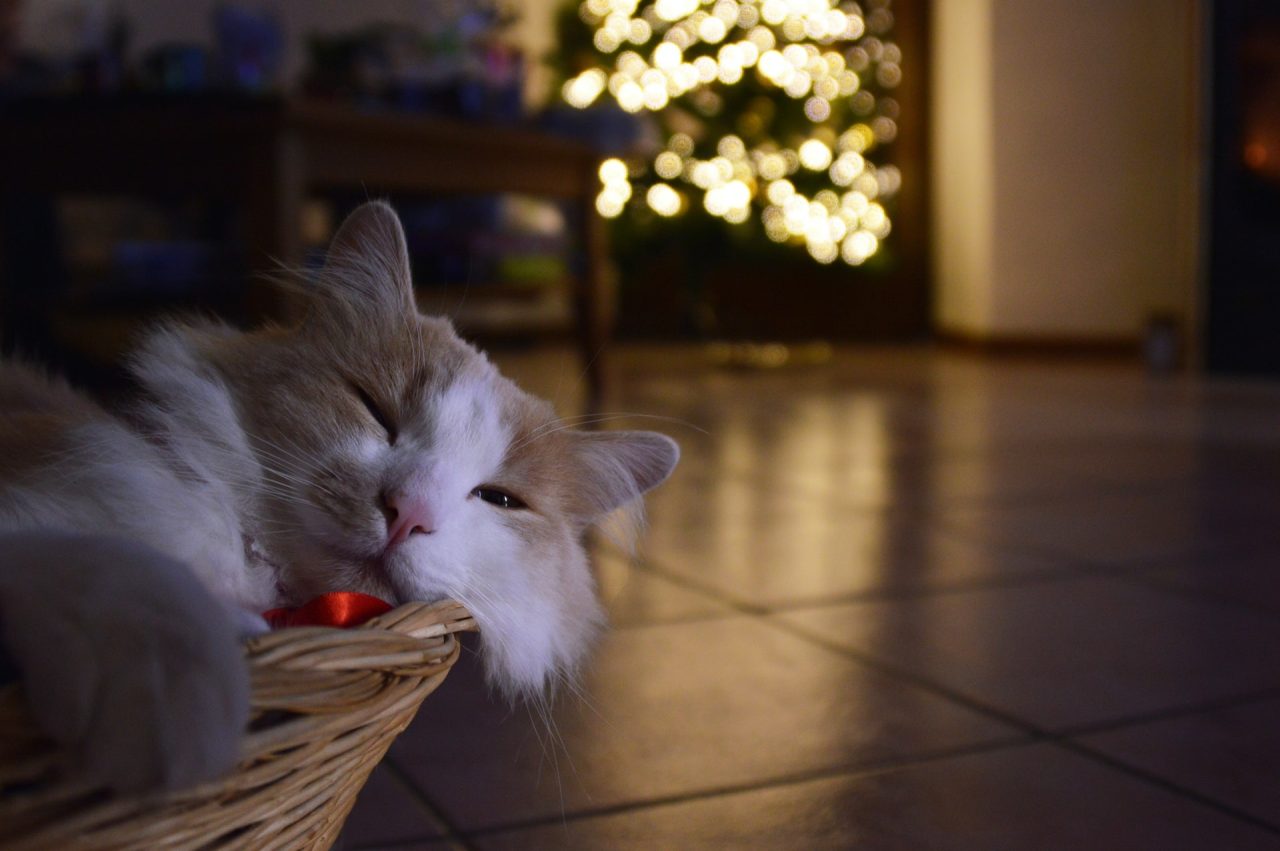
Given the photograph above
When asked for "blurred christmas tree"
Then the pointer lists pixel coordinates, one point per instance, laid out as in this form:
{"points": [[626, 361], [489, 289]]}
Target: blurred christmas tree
{"points": [[772, 111]]}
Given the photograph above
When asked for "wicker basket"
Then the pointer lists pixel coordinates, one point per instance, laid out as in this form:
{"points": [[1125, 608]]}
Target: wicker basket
{"points": [[327, 703]]}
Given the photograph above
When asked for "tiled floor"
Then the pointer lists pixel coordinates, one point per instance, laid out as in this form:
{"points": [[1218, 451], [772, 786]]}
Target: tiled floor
{"points": [[908, 600]]}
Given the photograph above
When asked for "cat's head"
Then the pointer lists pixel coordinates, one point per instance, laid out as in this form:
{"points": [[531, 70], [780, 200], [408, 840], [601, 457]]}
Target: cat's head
{"points": [[402, 464]]}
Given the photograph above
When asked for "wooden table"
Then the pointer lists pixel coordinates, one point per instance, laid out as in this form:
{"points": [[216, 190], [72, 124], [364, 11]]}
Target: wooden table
{"points": [[268, 155]]}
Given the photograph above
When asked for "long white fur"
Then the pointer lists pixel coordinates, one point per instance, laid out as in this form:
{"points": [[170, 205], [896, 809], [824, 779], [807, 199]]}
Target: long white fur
{"points": [[193, 483], [111, 481]]}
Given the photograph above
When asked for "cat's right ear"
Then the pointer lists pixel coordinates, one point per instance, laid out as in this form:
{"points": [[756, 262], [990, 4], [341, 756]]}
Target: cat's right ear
{"points": [[614, 468], [366, 273]]}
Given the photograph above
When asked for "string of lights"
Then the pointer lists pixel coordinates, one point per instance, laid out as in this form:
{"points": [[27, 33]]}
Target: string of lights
{"points": [[817, 185]]}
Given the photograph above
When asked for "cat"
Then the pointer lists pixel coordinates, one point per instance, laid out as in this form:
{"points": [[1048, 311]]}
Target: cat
{"points": [[368, 449]]}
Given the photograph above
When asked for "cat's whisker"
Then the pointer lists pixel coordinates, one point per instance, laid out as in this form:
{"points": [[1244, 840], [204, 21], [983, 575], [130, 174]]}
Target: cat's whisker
{"points": [[237, 456], [285, 476], [281, 495], [281, 451], [271, 481], [547, 756], [570, 682], [540, 717], [569, 423], [240, 461], [280, 477], [283, 455], [593, 419], [262, 455], [560, 373], [547, 713]]}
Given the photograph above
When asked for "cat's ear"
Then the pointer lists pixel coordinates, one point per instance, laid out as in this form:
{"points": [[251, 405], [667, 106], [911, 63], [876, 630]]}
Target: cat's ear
{"points": [[614, 468], [366, 271]]}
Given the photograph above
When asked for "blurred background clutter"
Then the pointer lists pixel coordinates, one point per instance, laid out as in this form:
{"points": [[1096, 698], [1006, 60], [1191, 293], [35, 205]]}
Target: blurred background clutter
{"points": [[965, 312], [999, 177]]}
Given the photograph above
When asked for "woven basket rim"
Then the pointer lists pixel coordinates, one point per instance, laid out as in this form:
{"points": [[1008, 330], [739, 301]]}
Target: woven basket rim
{"points": [[326, 704]]}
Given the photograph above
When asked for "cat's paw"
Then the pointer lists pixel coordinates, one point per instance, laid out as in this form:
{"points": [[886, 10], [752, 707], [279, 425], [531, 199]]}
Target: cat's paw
{"points": [[126, 660]]}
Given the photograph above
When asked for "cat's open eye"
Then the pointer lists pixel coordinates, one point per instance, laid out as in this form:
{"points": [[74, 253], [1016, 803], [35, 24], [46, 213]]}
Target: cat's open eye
{"points": [[498, 497], [374, 411]]}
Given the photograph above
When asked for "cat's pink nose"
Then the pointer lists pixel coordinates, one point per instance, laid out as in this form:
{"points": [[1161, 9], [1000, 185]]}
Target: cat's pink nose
{"points": [[408, 514]]}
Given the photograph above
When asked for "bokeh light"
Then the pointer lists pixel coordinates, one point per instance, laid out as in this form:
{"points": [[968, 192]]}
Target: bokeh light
{"points": [[824, 184]]}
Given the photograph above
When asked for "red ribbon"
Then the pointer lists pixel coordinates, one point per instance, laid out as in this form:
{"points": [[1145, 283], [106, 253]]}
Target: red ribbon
{"points": [[337, 608]]}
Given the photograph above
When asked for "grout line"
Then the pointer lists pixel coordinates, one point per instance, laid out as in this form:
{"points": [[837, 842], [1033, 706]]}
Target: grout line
{"points": [[709, 591], [1146, 564], [437, 815], [1086, 489], [763, 615], [445, 842], [1166, 784], [1028, 578], [1062, 738], [677, 620], [1043, 733], [904, 675], [1023, 579], [1199, 550], [1059, 738], [865, 769], [1167, 714], [1204, 595]]}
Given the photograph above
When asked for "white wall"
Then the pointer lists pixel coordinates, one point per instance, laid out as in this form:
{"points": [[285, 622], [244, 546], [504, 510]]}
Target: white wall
{"points": [[961, 130], [1062, 135], [1067, 210]]}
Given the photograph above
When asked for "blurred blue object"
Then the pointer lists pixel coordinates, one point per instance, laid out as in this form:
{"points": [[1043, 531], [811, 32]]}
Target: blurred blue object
{"points": [[250, 46], [177, 68], [163, 271]]}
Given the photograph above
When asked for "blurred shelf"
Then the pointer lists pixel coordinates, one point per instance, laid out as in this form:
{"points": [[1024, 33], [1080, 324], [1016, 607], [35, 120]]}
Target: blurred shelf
{"points": [[265, 156], [502, 309]]}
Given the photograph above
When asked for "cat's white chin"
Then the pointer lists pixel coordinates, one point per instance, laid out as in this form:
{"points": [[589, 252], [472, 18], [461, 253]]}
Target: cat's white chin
{"points": [[409, 580], [401, 595]]}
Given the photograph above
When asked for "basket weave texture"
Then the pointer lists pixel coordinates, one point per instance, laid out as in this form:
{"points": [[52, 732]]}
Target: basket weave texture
{"points": [[327, 703]]}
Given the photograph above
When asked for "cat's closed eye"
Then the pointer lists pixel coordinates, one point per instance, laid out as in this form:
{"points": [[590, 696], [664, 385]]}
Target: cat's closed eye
{"points": [[375, 411], [499, 497]]}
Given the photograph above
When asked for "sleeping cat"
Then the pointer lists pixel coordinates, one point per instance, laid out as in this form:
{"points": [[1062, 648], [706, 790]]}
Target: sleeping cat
{"points": [[369, 449]]}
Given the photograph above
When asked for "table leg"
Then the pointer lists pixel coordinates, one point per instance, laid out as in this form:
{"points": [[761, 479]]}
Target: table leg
{"points": [[7, 283], [273, 198], [591, 300]]}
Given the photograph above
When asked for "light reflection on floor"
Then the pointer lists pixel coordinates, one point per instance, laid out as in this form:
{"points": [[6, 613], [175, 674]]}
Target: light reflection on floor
{"points": [[906, 600]]}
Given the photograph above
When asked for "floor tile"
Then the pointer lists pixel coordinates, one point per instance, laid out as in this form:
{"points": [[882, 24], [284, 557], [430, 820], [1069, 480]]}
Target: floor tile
{"points": [[412, 845], [1231, 754], [954, 517], [869, 451], [1066, 653], [676, 709], [998, 477], [1037, 797], [387, 811], [1251, 579], [785, 551], [880, 479], [1123, 529], [634, 596]]}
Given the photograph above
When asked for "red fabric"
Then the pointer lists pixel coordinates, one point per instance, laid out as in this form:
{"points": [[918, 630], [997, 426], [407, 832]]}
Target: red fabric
{"points": [[338, 608]]}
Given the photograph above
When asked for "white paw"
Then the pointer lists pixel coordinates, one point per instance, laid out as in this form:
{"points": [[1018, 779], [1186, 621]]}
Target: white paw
{"points": [[126, 660], [249, 624]]}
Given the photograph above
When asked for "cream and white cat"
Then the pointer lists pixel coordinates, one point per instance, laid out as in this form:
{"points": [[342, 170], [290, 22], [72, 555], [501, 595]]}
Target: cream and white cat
{"points": [[369, 449]]}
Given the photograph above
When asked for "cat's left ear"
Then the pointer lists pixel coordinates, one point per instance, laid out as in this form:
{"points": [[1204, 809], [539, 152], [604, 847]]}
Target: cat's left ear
{"points": [[617, 467], [366, 271]]}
